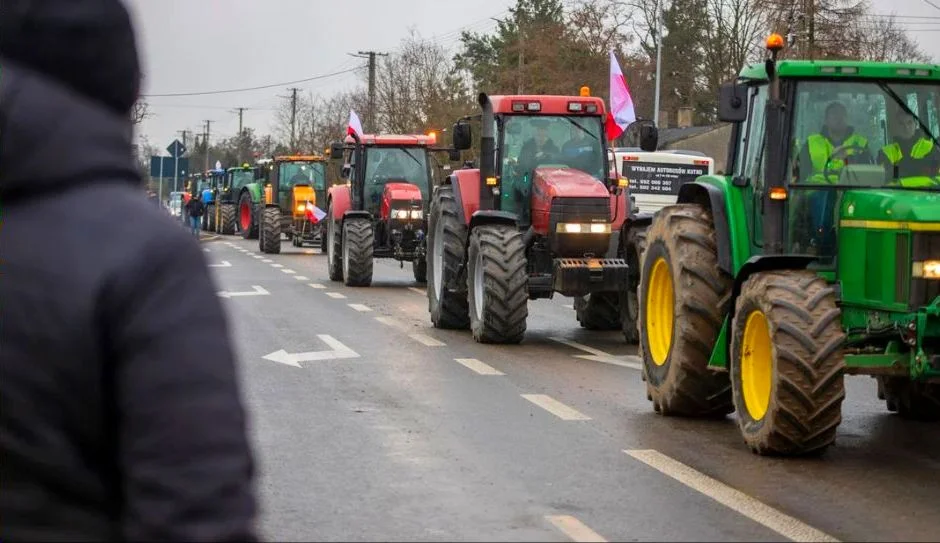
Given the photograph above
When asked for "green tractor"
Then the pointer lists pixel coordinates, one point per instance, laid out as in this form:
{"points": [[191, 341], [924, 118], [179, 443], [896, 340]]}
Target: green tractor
{"points": [[227, 191], [817, 256]]}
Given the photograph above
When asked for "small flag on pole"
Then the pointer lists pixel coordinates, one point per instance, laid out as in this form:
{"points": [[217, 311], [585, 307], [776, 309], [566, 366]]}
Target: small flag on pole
{"points": [[355, 125]]}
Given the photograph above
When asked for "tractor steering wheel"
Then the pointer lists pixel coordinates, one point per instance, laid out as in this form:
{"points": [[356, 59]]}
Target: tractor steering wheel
{"points": [[842, 152]]}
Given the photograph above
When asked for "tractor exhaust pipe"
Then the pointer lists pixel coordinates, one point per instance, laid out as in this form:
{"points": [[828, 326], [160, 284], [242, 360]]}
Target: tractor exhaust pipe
{"points": [[487, 154]]}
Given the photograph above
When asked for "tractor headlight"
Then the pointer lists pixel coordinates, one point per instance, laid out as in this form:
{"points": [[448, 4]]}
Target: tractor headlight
{"points": [[417, 213], [400, 214], [579, 228], [301, 208], [927, 269]]}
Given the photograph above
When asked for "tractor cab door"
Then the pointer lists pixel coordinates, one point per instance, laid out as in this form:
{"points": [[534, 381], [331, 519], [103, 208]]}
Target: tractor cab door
{"points": [[749, 162]]}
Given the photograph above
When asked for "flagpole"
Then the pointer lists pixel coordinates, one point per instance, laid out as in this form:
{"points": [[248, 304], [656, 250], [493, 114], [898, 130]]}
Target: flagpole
{"points": [[659, 60]]}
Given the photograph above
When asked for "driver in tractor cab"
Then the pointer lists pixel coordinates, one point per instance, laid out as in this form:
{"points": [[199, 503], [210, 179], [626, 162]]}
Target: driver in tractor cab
{"points": [[578, 152], [538, 149], [909, 160]]}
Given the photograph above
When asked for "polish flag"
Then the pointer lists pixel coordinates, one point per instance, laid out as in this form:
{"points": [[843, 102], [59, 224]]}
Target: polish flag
{"points": [[314, 213], [355, 125], [621, 112]]}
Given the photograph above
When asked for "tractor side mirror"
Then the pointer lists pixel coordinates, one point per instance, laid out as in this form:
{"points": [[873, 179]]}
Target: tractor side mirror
{"points": [[462, 135], [649, 137], [732, 103], [336, 150], [453, 155]]}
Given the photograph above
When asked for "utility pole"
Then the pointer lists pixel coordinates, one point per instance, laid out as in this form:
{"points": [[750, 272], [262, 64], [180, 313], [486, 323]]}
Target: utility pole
{"points": [[293, 119], [205, 141], [182, 133], [241, 110], [659, 59], [371, 56]]}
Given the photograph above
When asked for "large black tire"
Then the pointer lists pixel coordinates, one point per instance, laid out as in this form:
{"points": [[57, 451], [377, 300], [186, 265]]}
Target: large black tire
{"points": [[787, 363], [247, 210], [634, 245], [210, 221], [598, 311], [228, 219], [358, 244], [420, 269], [687, 308], [910, 399], [334, 237], [447, 283], [269, 239], [497, 281]]}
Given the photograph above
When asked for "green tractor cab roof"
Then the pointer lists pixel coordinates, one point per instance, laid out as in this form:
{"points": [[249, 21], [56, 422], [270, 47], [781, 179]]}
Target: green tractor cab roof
{"points": [[826, 69]]}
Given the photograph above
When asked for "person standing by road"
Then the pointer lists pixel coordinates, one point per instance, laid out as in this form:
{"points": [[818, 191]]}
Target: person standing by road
{"points": [[120, 410], [195, 209]]}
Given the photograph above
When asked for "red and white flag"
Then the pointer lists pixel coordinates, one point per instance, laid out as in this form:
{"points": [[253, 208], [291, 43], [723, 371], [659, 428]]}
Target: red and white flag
{"points": [[355, 125], [621, 112]]}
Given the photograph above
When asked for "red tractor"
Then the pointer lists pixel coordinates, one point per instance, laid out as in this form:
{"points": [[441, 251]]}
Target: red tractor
{"points": [[381, 210], [542, 214]]}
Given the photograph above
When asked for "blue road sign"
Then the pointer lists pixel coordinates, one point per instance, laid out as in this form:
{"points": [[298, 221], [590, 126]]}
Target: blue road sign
{"points": [[182, 165], [176, 149]]}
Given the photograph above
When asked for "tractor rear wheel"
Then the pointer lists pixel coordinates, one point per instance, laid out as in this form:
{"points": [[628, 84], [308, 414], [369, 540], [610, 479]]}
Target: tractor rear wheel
{"points": [[210, 214], [334, 242], [358, 242], [228, 219], [598, 311], [683, 296], [633, 248], [497, 281], [269, 239], [447, 235], [247, 221], [787, 363], [911, 400], [420, 269]]}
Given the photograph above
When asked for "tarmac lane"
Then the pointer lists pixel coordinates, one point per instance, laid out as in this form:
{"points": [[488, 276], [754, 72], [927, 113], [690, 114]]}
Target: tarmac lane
{"points": [[370, 424]]}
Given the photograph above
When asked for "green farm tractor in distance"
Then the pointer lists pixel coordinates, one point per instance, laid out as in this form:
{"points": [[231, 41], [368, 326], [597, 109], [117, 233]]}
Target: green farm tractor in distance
{"points": [[817, 256], [227, 193]]}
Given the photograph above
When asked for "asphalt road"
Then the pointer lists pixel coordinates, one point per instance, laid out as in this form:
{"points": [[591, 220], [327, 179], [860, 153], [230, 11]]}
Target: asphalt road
{"points": [[389, 429]]}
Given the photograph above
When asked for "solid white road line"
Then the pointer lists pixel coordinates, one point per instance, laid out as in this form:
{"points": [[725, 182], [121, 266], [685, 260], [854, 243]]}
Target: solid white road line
{"points": [[731, 498], [336, 295], [555, 407], [479, 367], [288, 271], [360, 307], [418, 290], [597, 355], [301, 278], [316, 285], [277, 265], [575, 529], [427, 340]]}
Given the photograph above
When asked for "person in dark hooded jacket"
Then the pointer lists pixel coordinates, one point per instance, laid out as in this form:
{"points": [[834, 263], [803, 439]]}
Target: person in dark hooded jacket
{"points": [[120, 412]]}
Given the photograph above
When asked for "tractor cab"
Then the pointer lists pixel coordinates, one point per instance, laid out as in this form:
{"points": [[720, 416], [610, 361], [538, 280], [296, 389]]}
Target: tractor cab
{"points": [[240, 177], [291, 181]]}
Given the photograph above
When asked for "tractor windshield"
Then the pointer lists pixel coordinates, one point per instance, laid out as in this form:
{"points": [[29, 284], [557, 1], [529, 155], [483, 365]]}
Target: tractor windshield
{"points": [[389, 164], [302, 173], [560, 141], [240, 178]]}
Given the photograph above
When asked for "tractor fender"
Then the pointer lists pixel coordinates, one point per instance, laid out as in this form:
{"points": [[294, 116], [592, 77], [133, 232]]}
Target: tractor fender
{"points": [[349, 214], [338, 195], [714, 200], [467, 192], [482, 217]]}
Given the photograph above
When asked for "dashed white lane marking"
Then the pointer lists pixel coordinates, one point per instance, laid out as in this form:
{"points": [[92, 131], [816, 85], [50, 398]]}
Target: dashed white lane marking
{"points": [[479, 367], [277, 265], [555, 407], [336, 295], [288, 271], [267, 260], [731, 498], [257, 257], [427, 340], [301, 278], [389, 321], [597, 355], [360, 307], [316, 285], [574, 528], [418, 290], [205, 250]]}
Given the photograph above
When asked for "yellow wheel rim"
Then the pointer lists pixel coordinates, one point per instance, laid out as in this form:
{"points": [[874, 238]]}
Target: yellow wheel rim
{"points": [[660, 298], [756, 366]]}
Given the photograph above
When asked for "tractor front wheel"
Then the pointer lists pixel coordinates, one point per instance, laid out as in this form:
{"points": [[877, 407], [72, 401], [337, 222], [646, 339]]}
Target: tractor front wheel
{"points": [[228, 219], [787, 363], [247, 223], [633, 248], [682, 299], [598, 311], [270, 236], [210, 221], [497, 281], [910, 399], [447, 234], [358, 242]]}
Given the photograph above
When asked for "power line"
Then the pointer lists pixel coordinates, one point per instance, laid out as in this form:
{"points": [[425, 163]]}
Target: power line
{"points": [[930, 3], [260, 87]]}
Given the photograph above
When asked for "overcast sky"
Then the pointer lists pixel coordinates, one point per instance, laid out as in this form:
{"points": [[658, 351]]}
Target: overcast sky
{"points": [[211, 45]]}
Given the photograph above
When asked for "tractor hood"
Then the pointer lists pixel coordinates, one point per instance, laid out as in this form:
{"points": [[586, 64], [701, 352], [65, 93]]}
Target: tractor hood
{"points": [[400, 195], [551, 182], [891, 205]]}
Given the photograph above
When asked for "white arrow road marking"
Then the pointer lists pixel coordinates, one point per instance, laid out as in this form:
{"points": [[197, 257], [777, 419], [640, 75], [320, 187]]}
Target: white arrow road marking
{"points": [[732, 498], [258, 291], [597, 355], [223, 264], [337, 351]]}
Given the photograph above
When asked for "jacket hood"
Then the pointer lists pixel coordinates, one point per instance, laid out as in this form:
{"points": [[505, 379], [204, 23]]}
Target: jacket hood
{"points": [[52, 137]]}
